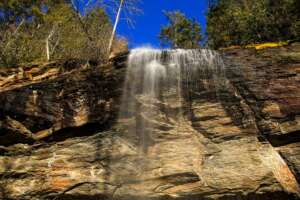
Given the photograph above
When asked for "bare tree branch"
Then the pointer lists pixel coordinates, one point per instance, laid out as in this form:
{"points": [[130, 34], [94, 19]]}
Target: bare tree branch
{"points": [[47, 41], [115, 26], [130, 8]]}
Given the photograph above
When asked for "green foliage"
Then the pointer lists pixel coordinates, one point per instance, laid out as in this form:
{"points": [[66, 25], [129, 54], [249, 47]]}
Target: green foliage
{"points": [[181, 32], [232, 22], [79, 37], [12, 10], [25, 34]]}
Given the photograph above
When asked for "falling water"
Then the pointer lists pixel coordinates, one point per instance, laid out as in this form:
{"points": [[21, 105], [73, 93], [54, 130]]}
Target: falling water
{"points": [[158, 83]]}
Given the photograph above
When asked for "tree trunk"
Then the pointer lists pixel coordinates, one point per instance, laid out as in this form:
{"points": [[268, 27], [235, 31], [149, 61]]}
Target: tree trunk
{"points": [[47, 49], [47, 42], [115, 27]]}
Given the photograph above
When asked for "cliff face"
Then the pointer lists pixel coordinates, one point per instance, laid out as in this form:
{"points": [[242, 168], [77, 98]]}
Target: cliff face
{"points": [[268, 81], [60, 139]]}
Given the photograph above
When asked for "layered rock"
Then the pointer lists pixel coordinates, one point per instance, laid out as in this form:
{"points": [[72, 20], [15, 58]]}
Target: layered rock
{"points": [[237, 142], [75, 96], [268, 80]]}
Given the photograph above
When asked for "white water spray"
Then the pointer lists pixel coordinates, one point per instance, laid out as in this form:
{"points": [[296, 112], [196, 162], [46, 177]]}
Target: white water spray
{"points": [[157, 86]]}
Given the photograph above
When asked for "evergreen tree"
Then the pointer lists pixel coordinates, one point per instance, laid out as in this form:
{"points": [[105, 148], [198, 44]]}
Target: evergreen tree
{"points": [[76, 36], [13, 10], [181, 32], [232, 22]]}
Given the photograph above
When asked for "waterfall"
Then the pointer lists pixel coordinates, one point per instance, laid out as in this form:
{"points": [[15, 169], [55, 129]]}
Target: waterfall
{"points": [[159, 83]]}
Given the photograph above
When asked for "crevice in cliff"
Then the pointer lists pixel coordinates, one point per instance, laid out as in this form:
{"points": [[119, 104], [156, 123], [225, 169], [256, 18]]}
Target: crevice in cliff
{"points": [[253, 103], [284, 139], [85, 130], [279, 195], [292, 166], [13, 131]]}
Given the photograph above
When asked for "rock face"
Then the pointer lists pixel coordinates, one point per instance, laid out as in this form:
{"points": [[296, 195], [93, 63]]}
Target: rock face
{"points": [[268, 81], [60, 138], [74, 96]]}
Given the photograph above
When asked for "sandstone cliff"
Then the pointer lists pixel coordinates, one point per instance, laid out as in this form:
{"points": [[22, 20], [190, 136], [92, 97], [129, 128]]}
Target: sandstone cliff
{"points": [[60, 140]]}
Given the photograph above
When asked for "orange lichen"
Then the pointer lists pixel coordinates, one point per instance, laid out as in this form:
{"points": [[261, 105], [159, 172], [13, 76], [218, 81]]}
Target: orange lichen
{"points": [[60, 183], [287, 179]]}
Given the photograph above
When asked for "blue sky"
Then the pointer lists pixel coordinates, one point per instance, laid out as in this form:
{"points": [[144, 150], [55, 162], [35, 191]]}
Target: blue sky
{"points": [[148, 24]]}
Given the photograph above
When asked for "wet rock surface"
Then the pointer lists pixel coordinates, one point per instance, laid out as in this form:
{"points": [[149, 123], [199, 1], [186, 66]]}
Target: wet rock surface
{"points": [[60, 138]]}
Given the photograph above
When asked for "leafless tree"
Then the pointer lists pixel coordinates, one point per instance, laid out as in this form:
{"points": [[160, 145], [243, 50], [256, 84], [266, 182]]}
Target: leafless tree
{"points": [[48, 52], [129, 8], [115, 26]]}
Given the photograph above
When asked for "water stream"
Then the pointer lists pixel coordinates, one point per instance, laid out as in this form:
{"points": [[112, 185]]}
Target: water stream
{"points": [[158, 85]]}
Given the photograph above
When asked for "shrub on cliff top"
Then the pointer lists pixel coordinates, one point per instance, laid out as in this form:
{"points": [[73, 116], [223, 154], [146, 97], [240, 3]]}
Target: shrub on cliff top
{"points": [[232, 22]]}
